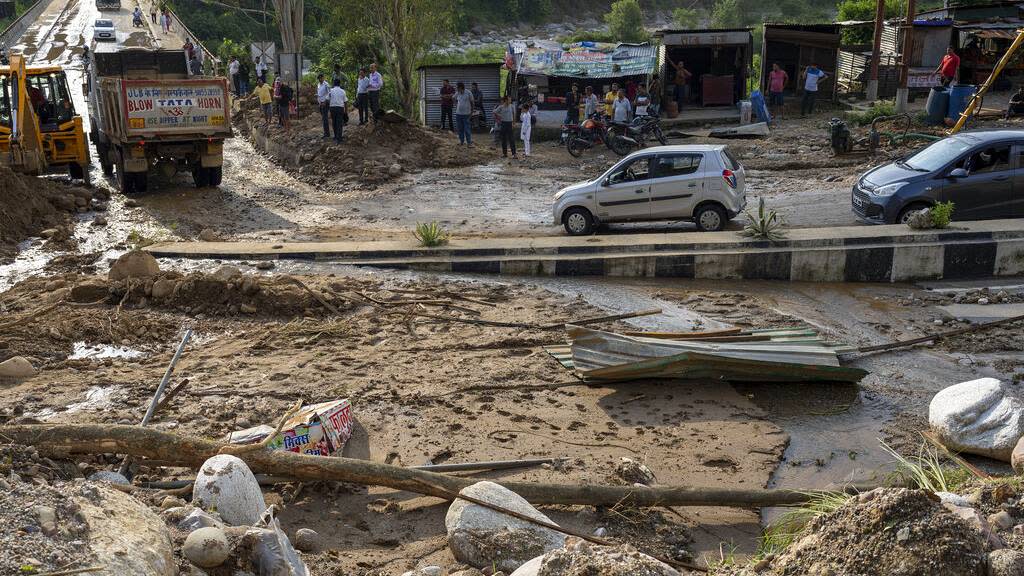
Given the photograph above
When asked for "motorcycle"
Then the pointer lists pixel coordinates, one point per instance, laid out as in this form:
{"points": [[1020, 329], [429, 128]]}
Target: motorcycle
{"points": [[137, 21], [585, 135], [623, 137]]}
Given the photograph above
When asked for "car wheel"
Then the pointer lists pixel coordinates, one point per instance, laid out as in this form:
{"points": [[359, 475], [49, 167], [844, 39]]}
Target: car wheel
{"points": [[710, 218], [906, 212], [578, 222]]}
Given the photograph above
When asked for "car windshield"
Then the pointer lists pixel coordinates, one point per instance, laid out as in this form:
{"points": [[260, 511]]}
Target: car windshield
{"points": [[104, 23], [939, 154]]}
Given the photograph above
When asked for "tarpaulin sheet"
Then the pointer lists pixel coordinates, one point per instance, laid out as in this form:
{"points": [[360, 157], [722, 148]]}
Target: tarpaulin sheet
{"points": [[583, 59]]}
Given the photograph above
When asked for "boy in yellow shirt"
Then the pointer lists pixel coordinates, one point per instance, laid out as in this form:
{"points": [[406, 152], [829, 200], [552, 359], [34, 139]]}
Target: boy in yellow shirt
{"points": [[263, 92], [609, 99]]}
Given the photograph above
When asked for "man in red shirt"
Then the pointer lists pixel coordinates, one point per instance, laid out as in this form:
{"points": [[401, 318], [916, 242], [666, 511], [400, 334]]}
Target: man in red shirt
{"points": [[948, 67]]}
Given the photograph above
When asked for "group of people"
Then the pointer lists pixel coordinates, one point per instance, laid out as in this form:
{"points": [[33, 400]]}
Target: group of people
{"points": [[239, 74], [458, 106], [333, 100], [779, 78], [619, 104]]}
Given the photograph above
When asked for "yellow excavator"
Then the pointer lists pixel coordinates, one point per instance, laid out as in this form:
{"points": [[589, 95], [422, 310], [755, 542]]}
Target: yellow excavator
{"points": [[40, 132]]}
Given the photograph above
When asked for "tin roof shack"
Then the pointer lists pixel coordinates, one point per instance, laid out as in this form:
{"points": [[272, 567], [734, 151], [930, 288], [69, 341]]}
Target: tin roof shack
{"points": [[796, 46], [981, 45], [431, 76], [552, 68], [719, 59]]}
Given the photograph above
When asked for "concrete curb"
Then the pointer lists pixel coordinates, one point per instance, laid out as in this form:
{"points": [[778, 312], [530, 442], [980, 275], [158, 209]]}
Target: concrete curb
{"points": [[844, 254]]}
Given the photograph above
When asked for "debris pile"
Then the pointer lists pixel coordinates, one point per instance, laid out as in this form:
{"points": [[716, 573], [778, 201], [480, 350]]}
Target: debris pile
{"points": [[371, 154], [580, 558]]}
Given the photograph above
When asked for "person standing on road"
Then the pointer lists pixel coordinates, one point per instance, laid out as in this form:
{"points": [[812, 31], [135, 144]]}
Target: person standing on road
{"points": [[362, 100], [642, 102], [811, 77], [337, 99], [447, 92], [152, 12], [463, 109], [525, 128], [589, 102], [572, 105], [284, 104], [506, 113], [478, 101], [266, 100], [948, 67], [654, 93], [323, 97], [621, 108], [374, 88], [777, 80], [233, 73], [261, 69]]}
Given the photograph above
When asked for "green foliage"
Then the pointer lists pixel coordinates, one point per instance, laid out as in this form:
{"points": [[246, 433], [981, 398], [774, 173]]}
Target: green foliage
{"points": [[626, 21], [19, 7], [727, 14], [432, 234], [686, 18], [864, 10], [352, 50], [879, 108], [485, 55], [765, 225], [593, 36], [791, 524], [941, 214], [925, 470], [754, 80], [229, 48]]}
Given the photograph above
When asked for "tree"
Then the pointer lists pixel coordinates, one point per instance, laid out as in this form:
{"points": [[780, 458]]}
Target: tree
{"points": [[289, 21], [405, 30], [685, 18], [626, 21], [864, 10], [727, 14]]}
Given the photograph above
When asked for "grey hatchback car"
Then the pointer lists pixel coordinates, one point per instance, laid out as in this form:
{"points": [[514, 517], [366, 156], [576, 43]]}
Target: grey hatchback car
{"points": [[981, 172]]}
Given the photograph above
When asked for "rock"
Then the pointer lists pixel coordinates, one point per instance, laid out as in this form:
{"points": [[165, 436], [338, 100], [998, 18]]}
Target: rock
{"points": [[265, 265], [90, 291], [226, 273], [1017, 457], [468, 572], [247, 308], [1002, 520], [206, 547], [307, 540], [171, 502], [162, 288], [197, 519], [109, 477], [486, 539], [395, 169], [921, 219], [954, 499], [979, 417], [983, 301], [16, 367], [903, 534], [125, 536], [134, 264], [131, 203], [580, 557], [634, 472], [207, 235], [99, 221], [1006, 562], [226, 484], [47, 517], [49, 233], [976, 521]]}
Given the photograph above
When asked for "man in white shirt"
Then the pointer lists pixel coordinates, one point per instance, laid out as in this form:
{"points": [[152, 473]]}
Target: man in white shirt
{"points": [[812, 74], [337, 100], [373, 90], [322, 98], [233, 71], [261, 69], [362, 100]]}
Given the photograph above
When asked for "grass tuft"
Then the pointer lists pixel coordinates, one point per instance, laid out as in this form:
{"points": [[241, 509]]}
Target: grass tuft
{"points": [[432, 234], [765, 225], [791, 524], [925, 471]]}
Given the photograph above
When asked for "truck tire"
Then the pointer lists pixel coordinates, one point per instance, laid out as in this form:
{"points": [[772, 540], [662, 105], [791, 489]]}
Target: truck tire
{"points": [[201, 176], [215, 175], [125, 181], [140, 182], [103, 152]]}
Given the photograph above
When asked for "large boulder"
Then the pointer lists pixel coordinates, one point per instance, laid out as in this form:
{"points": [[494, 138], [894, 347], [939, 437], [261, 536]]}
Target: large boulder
{"points": [[1017, 457], [16, 367], [580, 557], [226, 485], [487, 539], [134, 264], [979, 417], [125, 536]]}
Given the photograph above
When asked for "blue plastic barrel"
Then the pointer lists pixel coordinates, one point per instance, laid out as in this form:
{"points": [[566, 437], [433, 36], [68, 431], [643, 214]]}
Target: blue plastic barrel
{"points": [[760, 108], [938, 104], [959, 97]]}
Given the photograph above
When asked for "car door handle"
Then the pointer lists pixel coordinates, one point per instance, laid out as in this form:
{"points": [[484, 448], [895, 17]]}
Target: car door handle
{"points": [[692, 185], [641, 191]]}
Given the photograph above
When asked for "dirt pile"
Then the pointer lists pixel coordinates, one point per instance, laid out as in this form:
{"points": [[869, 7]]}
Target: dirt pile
{"points": [[886, 532], [31, 205], [371, 154]]}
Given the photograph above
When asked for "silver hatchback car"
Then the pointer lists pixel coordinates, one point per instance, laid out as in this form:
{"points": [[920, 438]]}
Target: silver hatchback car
{"points": [[702, 182]]}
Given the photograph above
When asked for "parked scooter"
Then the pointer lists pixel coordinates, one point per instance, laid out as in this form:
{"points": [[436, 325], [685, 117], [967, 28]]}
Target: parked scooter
{"points": [[624, 137]]}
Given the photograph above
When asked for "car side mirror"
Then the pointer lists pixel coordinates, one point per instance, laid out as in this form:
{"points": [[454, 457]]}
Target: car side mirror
{"points": [[957, 173]]}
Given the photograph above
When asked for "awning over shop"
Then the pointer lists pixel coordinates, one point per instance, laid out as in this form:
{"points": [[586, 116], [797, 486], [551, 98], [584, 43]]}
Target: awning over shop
{"points": [[583, 59]]}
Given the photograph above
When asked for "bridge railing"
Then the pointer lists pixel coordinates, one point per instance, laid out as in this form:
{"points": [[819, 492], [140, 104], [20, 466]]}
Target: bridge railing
{"points": [[14, 31]]}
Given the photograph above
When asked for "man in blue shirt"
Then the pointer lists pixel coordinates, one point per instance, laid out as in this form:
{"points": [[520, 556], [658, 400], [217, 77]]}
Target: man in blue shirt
{"points": [[812, 74]]}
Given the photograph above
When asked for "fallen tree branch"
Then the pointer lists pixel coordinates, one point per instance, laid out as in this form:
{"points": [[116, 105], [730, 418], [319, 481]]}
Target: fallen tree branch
{"points": [[62, 440], [69, 572], [939, 336], [330, 307]]}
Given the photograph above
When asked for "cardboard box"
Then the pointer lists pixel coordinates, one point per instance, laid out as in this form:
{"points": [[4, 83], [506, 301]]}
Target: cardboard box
{"points": [[318, 429]]}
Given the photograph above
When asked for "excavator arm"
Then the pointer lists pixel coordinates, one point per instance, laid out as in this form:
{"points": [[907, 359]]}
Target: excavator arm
{"points": [[25, 152]]}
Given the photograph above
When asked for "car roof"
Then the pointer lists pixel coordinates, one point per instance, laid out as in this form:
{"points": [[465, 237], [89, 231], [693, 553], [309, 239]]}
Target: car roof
{"points": [[991, 135], [680, 148]]}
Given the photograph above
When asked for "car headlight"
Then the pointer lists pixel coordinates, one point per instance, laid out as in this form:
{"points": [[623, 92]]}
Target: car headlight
{"points": [[559, 194], [888, 189]]}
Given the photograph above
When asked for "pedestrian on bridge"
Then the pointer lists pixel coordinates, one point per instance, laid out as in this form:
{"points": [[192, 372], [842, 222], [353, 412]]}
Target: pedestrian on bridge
{"points": [[233, 73], [266, 100], [152, 12]]}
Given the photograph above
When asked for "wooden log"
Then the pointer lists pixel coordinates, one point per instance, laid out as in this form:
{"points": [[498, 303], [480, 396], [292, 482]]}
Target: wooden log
{"points": [[62, 440]]}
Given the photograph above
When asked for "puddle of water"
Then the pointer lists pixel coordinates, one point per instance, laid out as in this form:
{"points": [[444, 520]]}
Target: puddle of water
{"points": [[82, 350], [96, 398]]}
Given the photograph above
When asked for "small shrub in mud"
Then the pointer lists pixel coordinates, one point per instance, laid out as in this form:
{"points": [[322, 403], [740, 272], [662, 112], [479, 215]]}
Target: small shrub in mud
{"points": [[765, 225], [432, 234], [878, 109]]}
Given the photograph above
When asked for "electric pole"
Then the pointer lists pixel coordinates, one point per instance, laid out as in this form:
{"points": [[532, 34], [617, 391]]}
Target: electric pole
{"points": [[876, 49], [908, 50]]}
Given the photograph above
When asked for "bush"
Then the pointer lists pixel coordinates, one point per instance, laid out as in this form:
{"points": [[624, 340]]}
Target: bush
{"points": [[686, 18], [765, 225], [626, 21], [880, 108], [941, 214], [432, 234]]}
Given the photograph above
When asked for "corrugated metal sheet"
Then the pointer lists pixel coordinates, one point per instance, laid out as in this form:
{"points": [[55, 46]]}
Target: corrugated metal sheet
{"points": [[583, 59], [431, 78], [854, 70]]}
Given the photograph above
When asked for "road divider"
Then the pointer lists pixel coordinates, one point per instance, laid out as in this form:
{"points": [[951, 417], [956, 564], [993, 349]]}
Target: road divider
{"points": [[892, 253]]}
